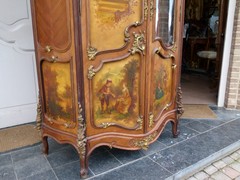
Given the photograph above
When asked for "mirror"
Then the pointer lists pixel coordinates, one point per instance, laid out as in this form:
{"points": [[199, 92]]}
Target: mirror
{"points": [[164, 21]]}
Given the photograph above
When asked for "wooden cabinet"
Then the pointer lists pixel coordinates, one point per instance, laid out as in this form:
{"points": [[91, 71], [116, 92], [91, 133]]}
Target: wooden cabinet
{"points": [[108, 71]]}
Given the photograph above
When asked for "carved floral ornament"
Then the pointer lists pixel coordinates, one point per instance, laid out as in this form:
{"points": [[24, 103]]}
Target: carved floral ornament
{"points": [[180, 109], [149, 9], [138, 43], [92, 52], [167, 53], [151, 119], [91, 72], [152, 9], [145, 10], [39, 114], [139, 124], [81, 141], [144, 142]]}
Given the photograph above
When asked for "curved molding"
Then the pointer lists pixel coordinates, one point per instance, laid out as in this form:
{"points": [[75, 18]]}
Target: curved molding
{"points": [[13, 11], [20, 35]]}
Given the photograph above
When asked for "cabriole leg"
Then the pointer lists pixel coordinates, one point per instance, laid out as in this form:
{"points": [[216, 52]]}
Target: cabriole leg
{"points": [[45, 145], [174, 128], [83, 166]]}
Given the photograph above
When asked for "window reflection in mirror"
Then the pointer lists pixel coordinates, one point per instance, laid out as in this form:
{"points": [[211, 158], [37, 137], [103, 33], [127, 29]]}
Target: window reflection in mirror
{"points": [[164, 23]]}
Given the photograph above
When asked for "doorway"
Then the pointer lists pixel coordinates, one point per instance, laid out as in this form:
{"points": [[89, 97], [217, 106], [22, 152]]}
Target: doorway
{"points": [[204, 32]]}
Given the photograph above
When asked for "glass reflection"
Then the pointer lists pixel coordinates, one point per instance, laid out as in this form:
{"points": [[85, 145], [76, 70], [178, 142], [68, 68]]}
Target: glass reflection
{"points": [[165, 21]]}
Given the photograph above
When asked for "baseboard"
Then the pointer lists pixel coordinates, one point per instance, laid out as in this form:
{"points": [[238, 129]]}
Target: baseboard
{"points": [[17, 115]]}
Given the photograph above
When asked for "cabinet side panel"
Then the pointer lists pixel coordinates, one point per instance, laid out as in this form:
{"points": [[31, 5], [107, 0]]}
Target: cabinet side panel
{"points": [[53, 23], [58, 92]]}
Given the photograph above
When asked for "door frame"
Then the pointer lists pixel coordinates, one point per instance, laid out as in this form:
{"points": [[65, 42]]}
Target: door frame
{"points": [[226, 53]]}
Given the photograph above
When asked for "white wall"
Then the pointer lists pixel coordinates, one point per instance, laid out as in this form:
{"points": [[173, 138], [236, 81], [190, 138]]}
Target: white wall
{"points": [[18, 81], [226, 53]]}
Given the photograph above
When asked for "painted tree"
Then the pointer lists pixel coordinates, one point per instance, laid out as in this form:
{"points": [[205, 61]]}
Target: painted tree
{"points": [[130, 72]]}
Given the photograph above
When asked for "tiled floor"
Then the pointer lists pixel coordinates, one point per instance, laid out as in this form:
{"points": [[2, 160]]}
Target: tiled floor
{"points": [[167, 157]]}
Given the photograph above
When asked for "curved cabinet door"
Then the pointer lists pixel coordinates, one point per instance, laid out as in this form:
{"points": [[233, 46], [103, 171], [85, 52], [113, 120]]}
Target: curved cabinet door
{"points": [[165, 61], [114, 49], [115, 92]]}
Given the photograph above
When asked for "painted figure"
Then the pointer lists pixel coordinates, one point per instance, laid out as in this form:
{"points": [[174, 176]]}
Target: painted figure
{"points": [[159, 92], [123, 102], [105, 94]]}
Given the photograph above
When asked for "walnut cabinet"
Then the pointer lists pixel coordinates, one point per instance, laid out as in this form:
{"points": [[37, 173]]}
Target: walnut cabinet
{"points": [[108, 71]]}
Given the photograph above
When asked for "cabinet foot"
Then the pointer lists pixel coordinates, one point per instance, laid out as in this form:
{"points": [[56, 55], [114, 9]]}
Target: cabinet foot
{"points": [[84, 167], [175, 132], [45, 145], [84, 173]]}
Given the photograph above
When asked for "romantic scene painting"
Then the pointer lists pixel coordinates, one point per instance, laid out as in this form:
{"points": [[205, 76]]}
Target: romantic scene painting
{"points": [[162, 83], [116, 93], [57, 91]]}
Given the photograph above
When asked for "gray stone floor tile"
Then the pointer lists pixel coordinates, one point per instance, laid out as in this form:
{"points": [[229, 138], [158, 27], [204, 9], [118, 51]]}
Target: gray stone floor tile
{"points": [[46, 175], [140, 170], [70, 171], [214, 107], [186, 133], [153, 148], [26, 153], [168, 127], [5, 160], [230, 130], [31, 166], [170, 159], [103, 162], [54, 146], [212, 122], [193, 150], [227, 115], [64, 156], [213, 142], [184, 121], [7, 173], [125, 156], [191, 153], [100, 150], [198, 126], [167, 139]]}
